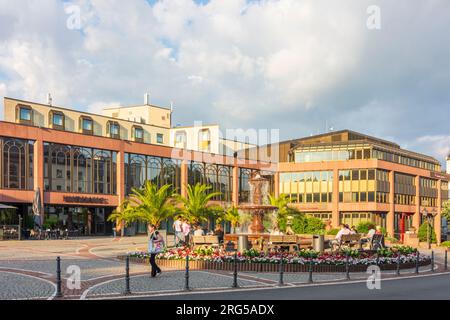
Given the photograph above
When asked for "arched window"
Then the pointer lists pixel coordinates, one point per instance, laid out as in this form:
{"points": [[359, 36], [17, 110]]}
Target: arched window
{"points": [[60, 168], [212, 179], [196, 173], [103, 176], [15, 164], [244, 188], [82, 166], [225, 182], [154, 167], [137, 172], [171, 174]]}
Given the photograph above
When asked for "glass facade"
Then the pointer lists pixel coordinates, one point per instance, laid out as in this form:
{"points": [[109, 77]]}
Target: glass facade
{"points": [[428, 192], [160, 171], [342, 152], [405, 189], [219, 177], [16, 163], [79, 170], [355, 218], [357, 185], [307, 187]]}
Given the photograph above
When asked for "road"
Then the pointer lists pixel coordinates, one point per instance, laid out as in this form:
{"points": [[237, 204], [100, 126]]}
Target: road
{"points": [[422, 288]]}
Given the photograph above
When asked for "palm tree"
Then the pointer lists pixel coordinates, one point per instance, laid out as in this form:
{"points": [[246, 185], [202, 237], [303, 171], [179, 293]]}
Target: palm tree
{"points": [[283, 211], [152, 205], [233, 217], [122, 216], [196, 207]]}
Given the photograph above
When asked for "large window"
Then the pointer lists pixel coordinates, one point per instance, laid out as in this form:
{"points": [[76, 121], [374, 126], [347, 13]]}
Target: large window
{"points": [[79, 170], [16, 163], [86, 125], [160, 171], [219, 177], [357, 185], [24, 114], [307, 187], [113, 129], [138, 134], [56, 120]]}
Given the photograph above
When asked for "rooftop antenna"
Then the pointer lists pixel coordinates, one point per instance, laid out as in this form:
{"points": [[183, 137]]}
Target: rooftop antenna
{"points": [[147, 99], [171, 106], [49, 99]]}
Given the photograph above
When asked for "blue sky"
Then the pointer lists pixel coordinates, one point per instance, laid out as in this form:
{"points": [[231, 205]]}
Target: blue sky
{"points": [[295, 65]]}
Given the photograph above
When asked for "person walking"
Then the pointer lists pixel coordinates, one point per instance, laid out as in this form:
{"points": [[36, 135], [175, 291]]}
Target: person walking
{"points": [[186, 227], [178, 228], [155, 246]]}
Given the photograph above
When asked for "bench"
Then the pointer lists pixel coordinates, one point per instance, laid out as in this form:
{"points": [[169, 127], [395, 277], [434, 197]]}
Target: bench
{"points": [[348, 241], [205, 241], [279, 242]]}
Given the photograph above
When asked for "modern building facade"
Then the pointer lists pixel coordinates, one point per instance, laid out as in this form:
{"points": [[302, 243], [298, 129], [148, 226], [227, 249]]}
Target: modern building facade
{"points": [[348, 177], [84, 165]]}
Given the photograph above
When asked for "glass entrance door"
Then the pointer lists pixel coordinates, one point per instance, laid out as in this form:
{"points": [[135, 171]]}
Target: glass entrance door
{"points": [[99, 221]]}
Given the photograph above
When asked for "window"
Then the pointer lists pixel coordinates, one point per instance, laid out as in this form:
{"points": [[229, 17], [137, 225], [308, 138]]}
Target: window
{"points": [[24, 114], [180, 139], [56, 120], [113, 129], [138, 134], [86, 125], [160, 138], [204, 140]]}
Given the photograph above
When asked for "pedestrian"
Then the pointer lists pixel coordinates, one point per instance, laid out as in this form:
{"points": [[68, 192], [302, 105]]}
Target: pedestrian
{"points": [[199, 231], [186, 227], [177, 227], [155, 246]]}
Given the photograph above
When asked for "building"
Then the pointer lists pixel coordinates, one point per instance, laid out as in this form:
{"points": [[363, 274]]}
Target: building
{"points": [[85, 165], [348, 177]]}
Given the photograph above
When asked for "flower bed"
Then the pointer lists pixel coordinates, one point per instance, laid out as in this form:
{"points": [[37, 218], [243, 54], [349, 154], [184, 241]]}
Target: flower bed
{"points": [[252, 260]]}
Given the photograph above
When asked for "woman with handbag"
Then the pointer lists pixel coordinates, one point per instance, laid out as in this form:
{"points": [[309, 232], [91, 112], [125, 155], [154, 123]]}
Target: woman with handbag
{"points": [[155, 246]]}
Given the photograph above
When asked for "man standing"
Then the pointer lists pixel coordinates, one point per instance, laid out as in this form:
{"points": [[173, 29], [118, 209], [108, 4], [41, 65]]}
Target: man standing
{"points": [[177, 227]]}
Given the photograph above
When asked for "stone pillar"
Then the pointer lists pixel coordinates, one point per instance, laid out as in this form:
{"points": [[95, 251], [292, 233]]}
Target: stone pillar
{"points": [[184, 178], [38, 171], [438, 218], [276, 182], [235, 195], [391, 213], [416, 218], [335, 200]]}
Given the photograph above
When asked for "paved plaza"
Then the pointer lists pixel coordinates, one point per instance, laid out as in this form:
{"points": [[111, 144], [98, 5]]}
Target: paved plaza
{"points": [[28, 271]]}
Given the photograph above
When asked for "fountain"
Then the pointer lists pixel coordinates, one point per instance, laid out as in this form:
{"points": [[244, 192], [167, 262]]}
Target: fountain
{"points": [[257, 208]]}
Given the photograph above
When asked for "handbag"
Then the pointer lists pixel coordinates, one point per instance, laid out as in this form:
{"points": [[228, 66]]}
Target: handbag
{"points": [[154, 247]]}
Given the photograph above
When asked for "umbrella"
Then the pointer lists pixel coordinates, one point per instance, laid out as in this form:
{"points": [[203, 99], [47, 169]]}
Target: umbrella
{"points": [[37, 204], [4, 206]]}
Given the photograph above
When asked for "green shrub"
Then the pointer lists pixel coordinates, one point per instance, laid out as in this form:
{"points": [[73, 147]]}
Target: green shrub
{"points": [[50, 222], [445, 244], [332, 232], [303, 224], [423, 233], [405, 250], [363, 227]]}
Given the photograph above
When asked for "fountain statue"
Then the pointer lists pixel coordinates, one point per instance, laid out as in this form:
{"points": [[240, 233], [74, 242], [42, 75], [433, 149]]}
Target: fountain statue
{"points": [[259, 203]]}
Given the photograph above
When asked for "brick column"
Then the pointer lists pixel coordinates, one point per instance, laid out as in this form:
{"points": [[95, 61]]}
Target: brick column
{"points": [[416, 218], [276, 182], [391, 213], [121, 192], [184, 178], [335, 200], [438, 218], [38, 170], [235, 194]]}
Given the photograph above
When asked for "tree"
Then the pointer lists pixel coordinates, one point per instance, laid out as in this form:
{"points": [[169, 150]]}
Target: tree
{"points": [[446, 210], [233, 217], [152, 205], [283, 211], [122, 216], [196, 206]]}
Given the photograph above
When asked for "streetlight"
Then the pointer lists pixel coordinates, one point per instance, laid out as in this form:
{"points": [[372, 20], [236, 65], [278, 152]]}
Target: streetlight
{"points": [[430, 218]]}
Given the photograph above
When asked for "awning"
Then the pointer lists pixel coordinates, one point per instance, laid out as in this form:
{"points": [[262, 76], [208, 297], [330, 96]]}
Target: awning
{"points": [[4, 206]]}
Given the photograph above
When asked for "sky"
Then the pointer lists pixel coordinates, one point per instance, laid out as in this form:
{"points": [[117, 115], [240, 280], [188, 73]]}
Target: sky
{"points": [[300, 66]]}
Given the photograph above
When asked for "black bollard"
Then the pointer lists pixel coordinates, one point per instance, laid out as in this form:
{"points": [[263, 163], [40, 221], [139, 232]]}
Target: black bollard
{"points": [[280, 280], [347, 267], [432, 261], [398, 264], [310, 277], [417, 262], [378, 259], [186, 276], [235, 272], [446, 260], [127, 275], [58, 278]]}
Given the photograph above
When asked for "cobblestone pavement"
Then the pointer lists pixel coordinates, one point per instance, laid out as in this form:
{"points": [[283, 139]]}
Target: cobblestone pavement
{"points": [[28, 271]]}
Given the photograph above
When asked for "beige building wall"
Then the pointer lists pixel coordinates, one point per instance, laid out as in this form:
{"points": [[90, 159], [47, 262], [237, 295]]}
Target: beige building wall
{"points": [[41, 117], [145, 114]]}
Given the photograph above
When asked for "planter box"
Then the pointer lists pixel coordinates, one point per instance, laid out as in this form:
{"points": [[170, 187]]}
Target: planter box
{"points": [[267, 267]]}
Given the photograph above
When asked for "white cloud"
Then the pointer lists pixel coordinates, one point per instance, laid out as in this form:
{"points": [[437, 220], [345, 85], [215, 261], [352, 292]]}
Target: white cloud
{"points": [[285, 64]]}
